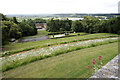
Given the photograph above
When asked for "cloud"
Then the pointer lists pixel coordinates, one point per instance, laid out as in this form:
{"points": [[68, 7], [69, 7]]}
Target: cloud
{"points": [[58, 6]]}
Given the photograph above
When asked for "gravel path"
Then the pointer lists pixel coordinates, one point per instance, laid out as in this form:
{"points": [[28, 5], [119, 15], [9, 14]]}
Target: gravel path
{"points": [[109, 71]]}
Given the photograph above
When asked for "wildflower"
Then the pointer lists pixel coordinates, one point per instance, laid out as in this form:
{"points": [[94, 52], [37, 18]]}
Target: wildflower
{"points": [[89, 67], [93, 59], [93, 69], [100, 57], [93, 62]]}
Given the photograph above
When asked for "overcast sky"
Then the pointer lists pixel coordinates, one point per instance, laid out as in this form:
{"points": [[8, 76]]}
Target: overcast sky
{"points": [[58, 6]]}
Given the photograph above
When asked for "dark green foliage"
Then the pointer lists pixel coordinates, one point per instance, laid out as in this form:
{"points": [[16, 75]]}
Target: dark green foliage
{"points": [[28, 27], [4, 18], [94, 25], [77, 26], [89, 25], [27, 30], [59, 25], [5, 36], [15, 20], [11, 28]]}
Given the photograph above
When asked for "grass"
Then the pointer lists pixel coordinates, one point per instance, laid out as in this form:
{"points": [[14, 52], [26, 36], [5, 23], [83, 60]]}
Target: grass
{"points": [[71, 65], [70, 35], [39, 34], [19, 47], [81, 33], [16, 60]]}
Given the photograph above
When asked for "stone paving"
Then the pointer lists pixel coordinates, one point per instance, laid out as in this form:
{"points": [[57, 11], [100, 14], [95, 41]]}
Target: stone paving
{"points": [[110, 70]]}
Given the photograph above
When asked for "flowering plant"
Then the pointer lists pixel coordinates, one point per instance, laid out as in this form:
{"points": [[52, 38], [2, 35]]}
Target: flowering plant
{"points": [[96, 65]]}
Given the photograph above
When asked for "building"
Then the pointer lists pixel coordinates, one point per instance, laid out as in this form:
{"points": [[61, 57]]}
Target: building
{"points": [[41, 25]]}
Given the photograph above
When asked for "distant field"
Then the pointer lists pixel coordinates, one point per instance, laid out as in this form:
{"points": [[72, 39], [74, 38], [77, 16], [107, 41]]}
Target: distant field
{"points": [[71, 65], [18, 47]]}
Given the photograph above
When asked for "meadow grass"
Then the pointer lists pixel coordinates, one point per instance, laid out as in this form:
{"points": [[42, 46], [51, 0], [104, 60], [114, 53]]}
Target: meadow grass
{"points": [[19, 47], [71, 65], [37, 54]]}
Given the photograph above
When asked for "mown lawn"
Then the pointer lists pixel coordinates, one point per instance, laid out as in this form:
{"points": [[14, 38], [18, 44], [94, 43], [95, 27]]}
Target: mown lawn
{"points": [[71, 65], [18, 47]]}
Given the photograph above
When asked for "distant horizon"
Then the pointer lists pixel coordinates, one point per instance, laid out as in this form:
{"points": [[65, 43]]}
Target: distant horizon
{"points": [[58, 13]]}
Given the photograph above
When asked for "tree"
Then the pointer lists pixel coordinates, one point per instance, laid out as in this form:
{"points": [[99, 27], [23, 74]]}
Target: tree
{"points": [[77, 26], [14, 32], [58, 25], [26, 29], [90, 24], [15, 20], [52, 25], [9, 30], [5, 35], [4, 18]]}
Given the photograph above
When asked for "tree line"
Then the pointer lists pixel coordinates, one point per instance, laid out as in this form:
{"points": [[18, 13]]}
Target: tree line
{"points": [[11, 28], [89, 25]]}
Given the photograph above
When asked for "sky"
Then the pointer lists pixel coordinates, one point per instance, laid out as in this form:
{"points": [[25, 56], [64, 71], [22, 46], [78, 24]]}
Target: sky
{"points": [[58, 6]]}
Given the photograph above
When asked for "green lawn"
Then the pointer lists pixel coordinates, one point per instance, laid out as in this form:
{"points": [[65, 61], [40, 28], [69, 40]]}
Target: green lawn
{"points": [[70, 35], [81, 33], [71, 65], [18, 47], [39, 34]]}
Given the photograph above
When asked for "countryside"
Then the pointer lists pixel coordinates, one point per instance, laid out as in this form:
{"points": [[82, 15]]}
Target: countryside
{"points": [[60, 45]]}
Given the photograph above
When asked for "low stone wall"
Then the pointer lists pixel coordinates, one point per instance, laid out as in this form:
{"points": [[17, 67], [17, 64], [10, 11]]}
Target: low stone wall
{"points": [[110, 70]]}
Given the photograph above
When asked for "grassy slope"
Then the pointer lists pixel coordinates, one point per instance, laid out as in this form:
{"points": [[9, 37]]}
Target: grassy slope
{"points": [[70, 65], [21, 46]]}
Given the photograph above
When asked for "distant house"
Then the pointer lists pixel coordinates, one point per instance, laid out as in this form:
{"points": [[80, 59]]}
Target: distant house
{"points": [[41, 25]]}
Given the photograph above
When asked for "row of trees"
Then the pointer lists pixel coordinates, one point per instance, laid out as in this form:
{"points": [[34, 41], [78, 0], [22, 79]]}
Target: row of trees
{"points": [[11, 28], [94, 25], [89, 25]]}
